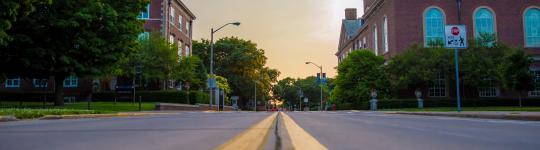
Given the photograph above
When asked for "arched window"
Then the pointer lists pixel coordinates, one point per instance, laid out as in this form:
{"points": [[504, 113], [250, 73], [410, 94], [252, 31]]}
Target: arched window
{"points": [[532, 27], [385, 34], [433, 27], [484, 23]]}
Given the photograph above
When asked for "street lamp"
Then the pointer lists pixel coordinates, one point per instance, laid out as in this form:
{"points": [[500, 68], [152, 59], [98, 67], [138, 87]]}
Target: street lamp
{"points": [[458, 2], [212, 79], [320, 84]]}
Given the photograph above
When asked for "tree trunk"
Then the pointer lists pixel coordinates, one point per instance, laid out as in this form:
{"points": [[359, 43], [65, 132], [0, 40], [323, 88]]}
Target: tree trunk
{"points": [[58, 90]]}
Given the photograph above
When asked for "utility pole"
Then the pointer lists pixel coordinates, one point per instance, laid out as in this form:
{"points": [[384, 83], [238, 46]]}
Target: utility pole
{"points": [[212, 80], [320, 83], [255, 97], [456, 55]]}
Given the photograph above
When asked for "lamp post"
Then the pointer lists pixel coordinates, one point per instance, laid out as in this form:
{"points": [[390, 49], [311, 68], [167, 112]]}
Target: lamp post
{"points": [[212, 79], [320, 84], [458, 2]]}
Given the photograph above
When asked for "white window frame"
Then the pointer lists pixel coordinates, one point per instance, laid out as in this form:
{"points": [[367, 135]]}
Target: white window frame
{"points": [[375, 41], [364, 41], [188, 51], [535, 92], [180, 24], [171, 15], [385, 34], [188, 27], [490, 91], [494, 15], [438, 86], [144, 36], [13, 83], [527, 45], [71, 82], [142, 15], [171, 39], [37, 83], [426, 43], [180, 49]]}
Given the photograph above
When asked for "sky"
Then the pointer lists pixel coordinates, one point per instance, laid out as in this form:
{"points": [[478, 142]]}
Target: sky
{"points": [[290, 31]]}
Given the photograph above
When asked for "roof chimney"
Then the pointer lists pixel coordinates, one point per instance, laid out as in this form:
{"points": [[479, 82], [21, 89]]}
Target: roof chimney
{"points": [[350, 14]]}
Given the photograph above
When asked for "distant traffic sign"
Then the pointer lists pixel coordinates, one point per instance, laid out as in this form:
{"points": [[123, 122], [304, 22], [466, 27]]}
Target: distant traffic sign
{"points": [[455, 36]]}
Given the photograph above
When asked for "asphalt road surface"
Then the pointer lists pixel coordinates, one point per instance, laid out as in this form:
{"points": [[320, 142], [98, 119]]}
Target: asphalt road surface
{"points": [[369, 130], [300, 130], [188, 130]]}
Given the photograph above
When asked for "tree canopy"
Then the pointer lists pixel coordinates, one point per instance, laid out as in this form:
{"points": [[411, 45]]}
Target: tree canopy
{"points": [[66, 37], [358, 74], [242, 63]]}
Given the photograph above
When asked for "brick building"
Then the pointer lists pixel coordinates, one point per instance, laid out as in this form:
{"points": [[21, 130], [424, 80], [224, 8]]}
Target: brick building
{"points": [[171, 18], [388, 27]]}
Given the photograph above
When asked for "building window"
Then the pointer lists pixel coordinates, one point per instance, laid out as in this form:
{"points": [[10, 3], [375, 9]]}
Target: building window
{"points": [[71, 82], [433, 27], [536, 83], [13, 83], [171, 39], [188, 28], [375, 42], [532, 27], [438, 87], [385, 34], [491, 90], [484, 25], [144, 36], [180, 50], [180, 22], [171, 15], [145, 15], [364, 41], [39, 83], [188, 52]]}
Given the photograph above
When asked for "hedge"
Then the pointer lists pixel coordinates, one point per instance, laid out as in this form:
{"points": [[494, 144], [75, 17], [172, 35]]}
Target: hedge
{"points": [[441, 102], [147, 96], [155, 96], [447, 102]]}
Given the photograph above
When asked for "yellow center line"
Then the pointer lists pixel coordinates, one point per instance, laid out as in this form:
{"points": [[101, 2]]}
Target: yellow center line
{"points": [[300, 139], [254, 137]]}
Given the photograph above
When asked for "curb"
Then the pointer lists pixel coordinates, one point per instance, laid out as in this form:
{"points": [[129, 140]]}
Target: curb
{"points": [[87, 116], [8, 118], [510, 116]]}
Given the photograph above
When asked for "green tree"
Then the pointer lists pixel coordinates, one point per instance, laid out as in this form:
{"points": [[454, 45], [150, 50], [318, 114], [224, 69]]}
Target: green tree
{"points": [[66, 37], [242, 63], [188, 72], [358, 74], [417, 66], [13, 10], [516, 75]]}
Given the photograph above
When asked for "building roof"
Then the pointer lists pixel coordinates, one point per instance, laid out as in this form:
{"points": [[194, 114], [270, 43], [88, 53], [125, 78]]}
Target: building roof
{"points": [[352, 27], [186, 9]]}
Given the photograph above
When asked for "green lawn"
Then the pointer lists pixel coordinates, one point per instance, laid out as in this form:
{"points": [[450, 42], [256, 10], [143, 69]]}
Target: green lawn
{"points": [[98, 106], [26, 113], [443, 109], [29, 110]]}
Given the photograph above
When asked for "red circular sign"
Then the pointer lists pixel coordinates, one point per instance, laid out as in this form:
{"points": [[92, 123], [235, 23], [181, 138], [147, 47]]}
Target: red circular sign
{"points": [[455, 31]]}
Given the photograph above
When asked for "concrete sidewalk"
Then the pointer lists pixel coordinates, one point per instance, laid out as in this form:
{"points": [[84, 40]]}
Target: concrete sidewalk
{"points": [[527, 116]]}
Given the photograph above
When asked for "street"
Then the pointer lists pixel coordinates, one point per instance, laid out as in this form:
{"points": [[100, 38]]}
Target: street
{"points": [[369, 130], [211, 130], [188, 130]]}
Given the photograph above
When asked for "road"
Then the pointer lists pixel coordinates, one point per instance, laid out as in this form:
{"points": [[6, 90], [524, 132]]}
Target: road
{"points": [[188, 130], [301, 130], [369, 130]]}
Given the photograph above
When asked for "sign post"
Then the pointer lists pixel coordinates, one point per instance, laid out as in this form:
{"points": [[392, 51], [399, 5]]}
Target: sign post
{"points": [[456, 38], [306, 101]]}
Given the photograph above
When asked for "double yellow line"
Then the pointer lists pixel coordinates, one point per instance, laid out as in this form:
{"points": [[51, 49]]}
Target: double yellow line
{"points": [[256, 136]]}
